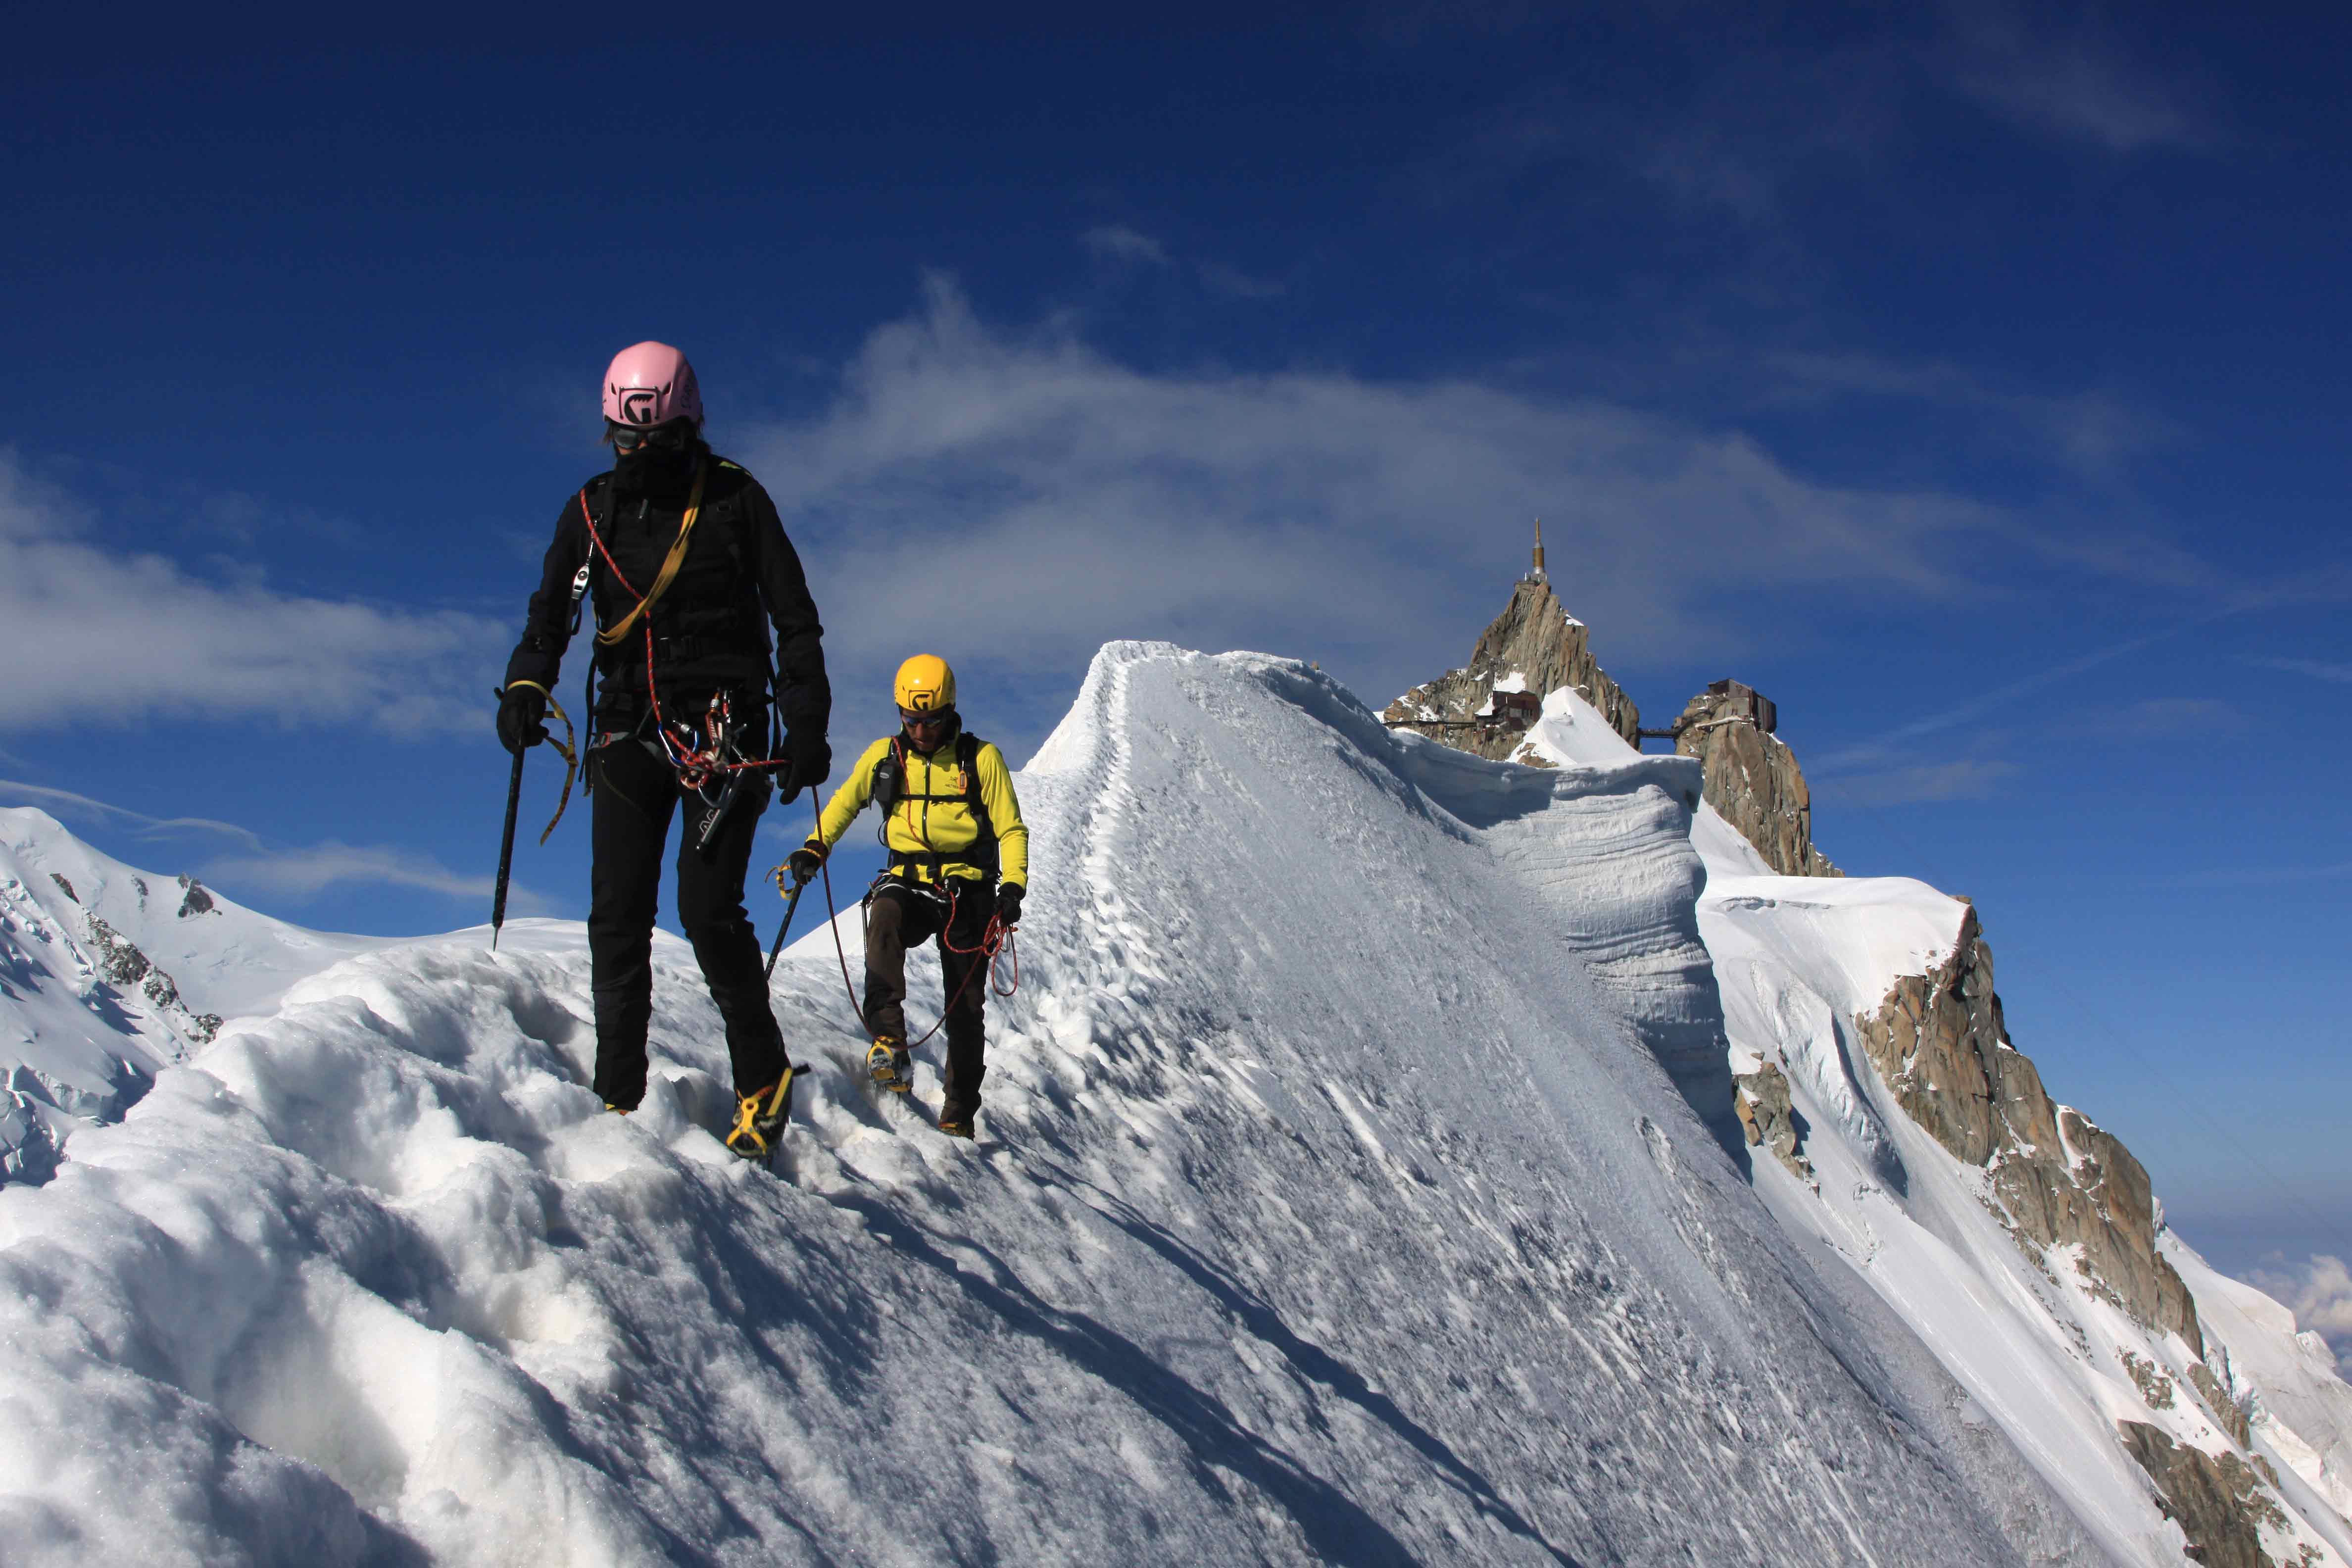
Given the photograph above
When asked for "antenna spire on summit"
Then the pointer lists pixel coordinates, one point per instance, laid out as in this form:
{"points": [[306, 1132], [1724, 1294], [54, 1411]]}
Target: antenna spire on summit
{"points": [[1539, 572]]}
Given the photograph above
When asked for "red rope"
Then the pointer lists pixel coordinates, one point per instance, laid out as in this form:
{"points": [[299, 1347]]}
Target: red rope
{"points": [[995, 939]]}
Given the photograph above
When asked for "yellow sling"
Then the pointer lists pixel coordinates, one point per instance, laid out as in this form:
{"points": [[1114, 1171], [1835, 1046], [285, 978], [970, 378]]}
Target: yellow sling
{"points": [[669, 566]]}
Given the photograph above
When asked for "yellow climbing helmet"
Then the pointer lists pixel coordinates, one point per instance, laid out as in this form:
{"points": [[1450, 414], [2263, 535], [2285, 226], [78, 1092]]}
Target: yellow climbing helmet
{"points": [[925, 684]]}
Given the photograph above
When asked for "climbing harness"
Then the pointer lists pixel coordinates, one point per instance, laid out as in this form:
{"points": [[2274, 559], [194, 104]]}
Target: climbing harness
{"points": [[709, 759], [995, 941]]}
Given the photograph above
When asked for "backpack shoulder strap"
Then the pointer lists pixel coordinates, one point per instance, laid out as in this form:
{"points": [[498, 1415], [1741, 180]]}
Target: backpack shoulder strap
{"points": [[968, 747], [890, 780]]}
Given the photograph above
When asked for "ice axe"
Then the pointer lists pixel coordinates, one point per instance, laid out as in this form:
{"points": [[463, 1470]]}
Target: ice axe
{"points": [[506, 848], [777, 946], [567, 747]]}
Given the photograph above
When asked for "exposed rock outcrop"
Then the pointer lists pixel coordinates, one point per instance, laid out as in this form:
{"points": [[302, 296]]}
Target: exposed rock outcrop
{"points": [[1535, 647], [2058, 1180], [1941, 1045], [2219, 1501], [1764, 1109], [197, 903], [123, 966], [1752, 778]]}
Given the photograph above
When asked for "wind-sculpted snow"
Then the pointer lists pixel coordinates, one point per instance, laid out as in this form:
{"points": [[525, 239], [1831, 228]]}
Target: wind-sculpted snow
{"points": [[2037, 1360], [1335, 1201]]}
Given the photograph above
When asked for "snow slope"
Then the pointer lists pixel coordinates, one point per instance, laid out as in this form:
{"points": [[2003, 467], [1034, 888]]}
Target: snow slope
{"points": [[1355, 1184], [2300, 1409], [2035, 1346], [107, 976]]}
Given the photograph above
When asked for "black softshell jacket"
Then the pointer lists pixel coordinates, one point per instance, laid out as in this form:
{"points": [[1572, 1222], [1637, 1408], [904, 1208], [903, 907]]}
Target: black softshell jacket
{"points": [[740, 577]]}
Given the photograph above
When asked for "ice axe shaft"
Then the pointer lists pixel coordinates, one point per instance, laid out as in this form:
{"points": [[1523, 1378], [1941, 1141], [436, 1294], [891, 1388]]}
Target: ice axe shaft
{"points": [[777, 946], [505, 849]]}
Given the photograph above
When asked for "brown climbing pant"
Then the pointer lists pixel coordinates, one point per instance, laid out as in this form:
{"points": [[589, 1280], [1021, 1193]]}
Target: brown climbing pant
{"points": [[905, 914]]}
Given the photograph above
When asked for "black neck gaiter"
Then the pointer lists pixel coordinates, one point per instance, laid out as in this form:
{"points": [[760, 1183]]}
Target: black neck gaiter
{"points": [[663, 475]]}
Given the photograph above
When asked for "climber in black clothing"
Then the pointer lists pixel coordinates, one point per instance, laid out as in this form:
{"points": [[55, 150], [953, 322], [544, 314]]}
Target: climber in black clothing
{"points": [[683, 559]]}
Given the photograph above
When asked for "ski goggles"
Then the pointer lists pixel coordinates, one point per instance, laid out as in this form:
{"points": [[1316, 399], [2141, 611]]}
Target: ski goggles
{"points": [[935, 721], [670, 438]]}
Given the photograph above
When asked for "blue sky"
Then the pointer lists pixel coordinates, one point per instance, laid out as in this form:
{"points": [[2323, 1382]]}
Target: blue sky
{"points": [[1968, 380]]}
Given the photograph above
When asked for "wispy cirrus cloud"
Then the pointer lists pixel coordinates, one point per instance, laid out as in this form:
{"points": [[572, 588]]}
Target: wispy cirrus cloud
{"points": [[311, 870], [1121, 246], [156, 639], [82, 806], [299, 872], [2164, 717], [2341, 674], [2091, 432], [1082, 500], [1116, 242], [1895, 745], [2074, 80], [1965, 779]]}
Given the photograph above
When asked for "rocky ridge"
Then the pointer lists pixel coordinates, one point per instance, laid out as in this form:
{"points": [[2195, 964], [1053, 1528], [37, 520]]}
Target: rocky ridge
{"points": [[2060, 1183], [1534, 646], [2066, 1186], [1752, 777], [111, 981]]}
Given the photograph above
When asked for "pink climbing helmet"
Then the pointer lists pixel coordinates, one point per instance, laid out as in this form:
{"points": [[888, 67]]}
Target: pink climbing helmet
{"points": [[650, 384]]}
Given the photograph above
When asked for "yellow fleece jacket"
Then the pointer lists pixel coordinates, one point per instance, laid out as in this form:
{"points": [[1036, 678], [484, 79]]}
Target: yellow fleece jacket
{"points": [[931, 816]]}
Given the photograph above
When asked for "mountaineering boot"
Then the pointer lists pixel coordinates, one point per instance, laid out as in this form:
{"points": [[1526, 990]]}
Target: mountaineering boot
{"points": [[956, 1128], [892, 1067], [761, 1118]]}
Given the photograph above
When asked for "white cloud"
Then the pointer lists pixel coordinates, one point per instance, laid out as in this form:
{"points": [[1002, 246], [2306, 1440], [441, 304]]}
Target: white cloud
{"points": [[1046, 499], [1895, 743], [1116, 242], [304, 872], [2318, 1291], [2167, 717], [2082, 86], [1964, 780], [1219, 279], [91, 634], [1127, 247], [65, 800], [2339, 673], [2091, 432], [296, 872]]}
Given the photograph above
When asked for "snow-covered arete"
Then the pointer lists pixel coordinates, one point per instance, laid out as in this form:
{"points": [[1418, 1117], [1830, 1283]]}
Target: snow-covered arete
{"points": [[2040, 1350], [1350, 1188]]}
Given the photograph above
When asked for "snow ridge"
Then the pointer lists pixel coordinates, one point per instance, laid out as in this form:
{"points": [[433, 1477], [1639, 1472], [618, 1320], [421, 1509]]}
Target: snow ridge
{"points": [[1347, 1191]]}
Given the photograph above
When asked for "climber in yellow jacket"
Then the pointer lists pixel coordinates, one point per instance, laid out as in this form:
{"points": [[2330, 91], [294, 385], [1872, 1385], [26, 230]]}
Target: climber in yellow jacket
{"points": [[959, 865]]}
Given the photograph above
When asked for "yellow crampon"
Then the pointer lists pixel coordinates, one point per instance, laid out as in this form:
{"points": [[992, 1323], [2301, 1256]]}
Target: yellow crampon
{"points": [[761, 1120], [892, 1067]]}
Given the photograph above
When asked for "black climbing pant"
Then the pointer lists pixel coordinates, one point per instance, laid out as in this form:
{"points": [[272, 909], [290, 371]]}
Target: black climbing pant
{"points": [[636, 795]]}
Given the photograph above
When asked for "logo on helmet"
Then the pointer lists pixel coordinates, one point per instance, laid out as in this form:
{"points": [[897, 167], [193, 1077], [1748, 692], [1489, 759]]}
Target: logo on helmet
{"points": [[639, 404], [923, 701]]}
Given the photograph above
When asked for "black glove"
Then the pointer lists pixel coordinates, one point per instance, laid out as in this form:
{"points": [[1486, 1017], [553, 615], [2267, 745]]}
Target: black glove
{"points": [[806, 861], [522, 713], [811, 758], [1008, 904]]}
